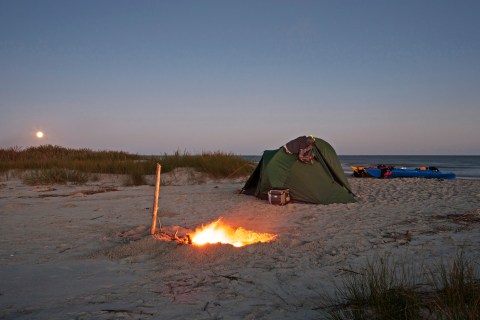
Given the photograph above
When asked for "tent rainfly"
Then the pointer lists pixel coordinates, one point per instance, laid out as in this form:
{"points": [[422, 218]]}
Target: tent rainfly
{"points": [[320, 181]]}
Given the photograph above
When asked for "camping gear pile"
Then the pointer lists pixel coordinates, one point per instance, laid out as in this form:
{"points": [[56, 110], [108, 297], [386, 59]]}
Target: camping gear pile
{"points": [[308, 167], [383, 171]]}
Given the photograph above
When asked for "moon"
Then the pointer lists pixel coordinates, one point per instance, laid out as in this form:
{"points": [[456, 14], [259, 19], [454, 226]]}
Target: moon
{"points": [[39, 134]]}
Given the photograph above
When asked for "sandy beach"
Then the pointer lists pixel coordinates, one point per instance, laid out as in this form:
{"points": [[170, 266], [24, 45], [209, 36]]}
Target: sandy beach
{"points": [[84, 252]]}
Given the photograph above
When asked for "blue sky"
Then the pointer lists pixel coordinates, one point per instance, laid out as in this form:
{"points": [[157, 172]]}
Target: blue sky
{"points": [[153, 77]]}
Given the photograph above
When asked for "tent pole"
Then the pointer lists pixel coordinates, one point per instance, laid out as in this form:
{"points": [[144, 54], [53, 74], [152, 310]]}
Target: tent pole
{"points": [[155, 201]]}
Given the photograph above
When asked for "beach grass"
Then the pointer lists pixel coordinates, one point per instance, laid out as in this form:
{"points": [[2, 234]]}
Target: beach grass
{"points": [[387, 289], [54, 164], [216, 164], [457, 289]]}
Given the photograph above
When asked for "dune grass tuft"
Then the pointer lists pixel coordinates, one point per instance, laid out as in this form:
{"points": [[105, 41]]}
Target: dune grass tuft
{"points": [[386, 289], [54, 176], [383, 290], [457, 288], [135, 178]]}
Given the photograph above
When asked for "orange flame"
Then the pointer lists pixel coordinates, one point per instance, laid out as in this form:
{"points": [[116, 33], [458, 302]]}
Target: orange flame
{"points": [[217, 231]]}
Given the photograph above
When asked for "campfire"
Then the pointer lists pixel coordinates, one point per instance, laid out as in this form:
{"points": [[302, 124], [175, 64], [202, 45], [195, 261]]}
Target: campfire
{"points": [[217, 232]]}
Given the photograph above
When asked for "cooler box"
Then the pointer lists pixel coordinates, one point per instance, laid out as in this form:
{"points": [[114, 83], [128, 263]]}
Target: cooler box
{"points": [[279, 197]]}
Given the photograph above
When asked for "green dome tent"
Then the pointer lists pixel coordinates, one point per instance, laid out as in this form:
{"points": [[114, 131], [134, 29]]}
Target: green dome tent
{"points": [[322, 181]]}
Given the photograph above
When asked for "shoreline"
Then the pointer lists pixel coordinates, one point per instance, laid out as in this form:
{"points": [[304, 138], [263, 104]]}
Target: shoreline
{"points": [[463, 166], [83, 251]]}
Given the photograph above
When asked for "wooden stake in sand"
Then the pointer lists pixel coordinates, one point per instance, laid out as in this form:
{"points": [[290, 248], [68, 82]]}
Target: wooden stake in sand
{"points": [[155, 201]]}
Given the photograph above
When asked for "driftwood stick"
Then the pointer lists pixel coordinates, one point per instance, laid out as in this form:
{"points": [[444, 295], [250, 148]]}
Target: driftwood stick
{"points": [[155, 201], [348, 270]]}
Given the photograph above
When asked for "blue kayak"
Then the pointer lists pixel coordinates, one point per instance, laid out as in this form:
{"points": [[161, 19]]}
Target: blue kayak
{"points": [[409, 173]]}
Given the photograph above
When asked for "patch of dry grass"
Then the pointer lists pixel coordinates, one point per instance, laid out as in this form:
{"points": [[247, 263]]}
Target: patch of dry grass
{"points": [[386, 289]]}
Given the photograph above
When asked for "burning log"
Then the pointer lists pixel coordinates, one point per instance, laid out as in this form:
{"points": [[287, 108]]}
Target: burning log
{"points": [[165, 236], [185, 240]]}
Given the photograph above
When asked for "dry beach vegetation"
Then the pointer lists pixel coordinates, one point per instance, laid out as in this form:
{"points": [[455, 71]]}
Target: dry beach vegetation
{"points": [[80, 248], [54, 164]]}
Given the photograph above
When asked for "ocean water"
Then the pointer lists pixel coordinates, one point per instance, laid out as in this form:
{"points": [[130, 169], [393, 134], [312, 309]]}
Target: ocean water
{"points": [[465, 167]]}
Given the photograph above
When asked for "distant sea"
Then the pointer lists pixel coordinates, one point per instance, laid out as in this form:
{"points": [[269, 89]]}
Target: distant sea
{"points": [[465, 167]]}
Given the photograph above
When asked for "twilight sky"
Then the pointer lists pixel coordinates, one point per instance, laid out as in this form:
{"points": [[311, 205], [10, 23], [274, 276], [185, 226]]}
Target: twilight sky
{"points": [[151, 77]]}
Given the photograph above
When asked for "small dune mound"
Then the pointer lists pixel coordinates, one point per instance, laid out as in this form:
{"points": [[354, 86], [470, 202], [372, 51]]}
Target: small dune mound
{"points": [[183, 176]]}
